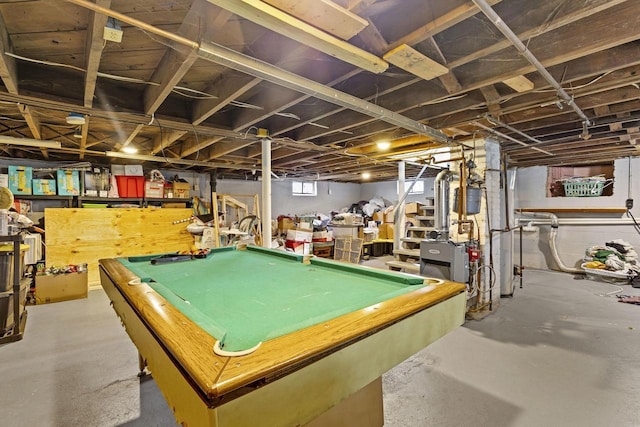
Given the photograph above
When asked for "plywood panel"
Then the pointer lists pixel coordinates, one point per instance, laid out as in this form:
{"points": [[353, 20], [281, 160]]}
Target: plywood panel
{"points": [[75, 236]]}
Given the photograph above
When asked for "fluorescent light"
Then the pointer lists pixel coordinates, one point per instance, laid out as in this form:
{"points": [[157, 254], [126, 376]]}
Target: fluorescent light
{"points": [[29, 142], [130, 150]]}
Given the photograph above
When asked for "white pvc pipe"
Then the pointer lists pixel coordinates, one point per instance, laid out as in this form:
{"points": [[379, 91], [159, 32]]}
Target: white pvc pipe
{"points": [[552, 240], [582, 221]]}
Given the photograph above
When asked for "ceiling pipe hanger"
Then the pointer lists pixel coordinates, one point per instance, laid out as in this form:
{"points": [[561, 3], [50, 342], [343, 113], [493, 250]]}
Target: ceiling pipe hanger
{"points": [[524, 51], [497, 122], [505, 136]]}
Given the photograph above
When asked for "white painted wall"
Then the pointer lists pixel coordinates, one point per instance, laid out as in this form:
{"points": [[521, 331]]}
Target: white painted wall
{"points": [[572, 240], [388, 190], [331, 196]]}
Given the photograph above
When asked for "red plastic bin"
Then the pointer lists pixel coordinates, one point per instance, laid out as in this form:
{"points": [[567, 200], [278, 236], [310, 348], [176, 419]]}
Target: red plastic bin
{"points": [[130, 186]]}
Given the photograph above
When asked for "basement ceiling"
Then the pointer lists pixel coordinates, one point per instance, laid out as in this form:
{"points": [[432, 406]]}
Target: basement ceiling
{"points": [[191, 82]]}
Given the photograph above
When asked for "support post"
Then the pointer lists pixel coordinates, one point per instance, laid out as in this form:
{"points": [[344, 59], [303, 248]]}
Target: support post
{"points": [[266, 193]]}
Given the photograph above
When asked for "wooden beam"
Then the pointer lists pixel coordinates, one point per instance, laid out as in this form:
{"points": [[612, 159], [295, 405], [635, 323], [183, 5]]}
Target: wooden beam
{"points": [[282, 23], [414, 62], [325, 15], [131, 137], [8, 67], [519, 83], [83, 140], [225, 93], [176, 62], [165, 139], [95, 44]]}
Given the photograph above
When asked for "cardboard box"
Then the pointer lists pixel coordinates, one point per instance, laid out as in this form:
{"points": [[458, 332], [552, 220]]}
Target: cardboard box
{"points": [[378, 216], [412, 208], [285, 224], [299, 235], [20, 179], [44, 187], [153, 189], [322, 236], [61, 287], [302, 248], [180, 190], [388, 217], [68, 183], [385, 231]]}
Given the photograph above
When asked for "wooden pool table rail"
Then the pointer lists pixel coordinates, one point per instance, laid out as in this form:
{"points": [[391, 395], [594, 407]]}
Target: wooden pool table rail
{"points": [[220, 378]]}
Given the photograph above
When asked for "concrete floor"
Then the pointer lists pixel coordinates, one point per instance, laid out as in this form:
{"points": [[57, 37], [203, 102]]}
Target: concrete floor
{"points": [[560, 353]]}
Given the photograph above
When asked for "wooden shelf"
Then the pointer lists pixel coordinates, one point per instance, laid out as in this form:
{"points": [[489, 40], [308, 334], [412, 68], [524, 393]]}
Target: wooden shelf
{"points": [[573, 210]]}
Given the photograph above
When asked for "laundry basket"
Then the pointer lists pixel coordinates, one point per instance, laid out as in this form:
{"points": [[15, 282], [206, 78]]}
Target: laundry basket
{"points": [[585, 187]]}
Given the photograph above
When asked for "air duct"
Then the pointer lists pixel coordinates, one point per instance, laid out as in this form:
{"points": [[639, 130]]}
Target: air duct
{"points": [[441, 201], [552, 239]]}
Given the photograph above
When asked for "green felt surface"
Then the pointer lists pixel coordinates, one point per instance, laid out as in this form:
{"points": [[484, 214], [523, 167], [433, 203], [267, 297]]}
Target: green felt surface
{"points": [[243, 297]]}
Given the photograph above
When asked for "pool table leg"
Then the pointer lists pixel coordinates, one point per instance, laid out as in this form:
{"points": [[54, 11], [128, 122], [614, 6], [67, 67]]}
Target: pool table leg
{"points": [[142, 364]]}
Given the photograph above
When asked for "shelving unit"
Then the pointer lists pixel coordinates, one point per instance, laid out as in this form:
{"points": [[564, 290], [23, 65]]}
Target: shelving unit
{"points": [[78, 201], [19, 315]]}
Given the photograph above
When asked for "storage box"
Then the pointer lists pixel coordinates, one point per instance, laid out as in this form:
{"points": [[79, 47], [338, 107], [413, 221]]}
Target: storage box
{"points": [[133, 170], [378, 216], [96, 182], [181, 190], [61, 287], [388, 217], [6, 307], [130, 186], [153, 189], [44, 187], [68, 183], [285, 224], [302, 248], [412, 208], [299, 235], [322, 236], [20, 179]]}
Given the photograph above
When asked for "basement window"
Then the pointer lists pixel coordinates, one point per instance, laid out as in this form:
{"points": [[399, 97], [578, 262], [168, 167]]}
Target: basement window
{"points": [[304, 188], [418, 188], [580, 181]]}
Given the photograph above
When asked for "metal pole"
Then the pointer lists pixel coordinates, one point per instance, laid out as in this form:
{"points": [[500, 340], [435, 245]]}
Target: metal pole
{"points": [[266, 192], [513, 38]]}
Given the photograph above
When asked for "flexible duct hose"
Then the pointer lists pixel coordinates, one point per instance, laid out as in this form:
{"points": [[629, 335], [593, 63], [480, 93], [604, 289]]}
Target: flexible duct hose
{"points": [[552, 239]]}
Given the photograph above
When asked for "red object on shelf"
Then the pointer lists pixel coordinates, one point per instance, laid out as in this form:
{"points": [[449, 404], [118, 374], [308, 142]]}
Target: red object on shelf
{"points": [[130, 186]]}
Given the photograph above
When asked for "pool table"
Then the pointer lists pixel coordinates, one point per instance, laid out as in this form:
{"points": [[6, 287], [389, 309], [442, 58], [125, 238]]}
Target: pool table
{"points": [[254, 336]]}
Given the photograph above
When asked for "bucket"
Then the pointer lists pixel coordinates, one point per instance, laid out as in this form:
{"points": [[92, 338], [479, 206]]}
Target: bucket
{"points": [[6, 265]]}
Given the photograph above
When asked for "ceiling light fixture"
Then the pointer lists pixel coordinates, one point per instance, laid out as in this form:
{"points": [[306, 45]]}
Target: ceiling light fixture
{"points": [[383, 145], [129, 150], [78, 132], [366, 175], [29, 142], [75, 119]]}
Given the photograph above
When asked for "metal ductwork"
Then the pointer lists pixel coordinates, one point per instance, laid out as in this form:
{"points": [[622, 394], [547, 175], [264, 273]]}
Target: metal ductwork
{"points": [[442, 204]]}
